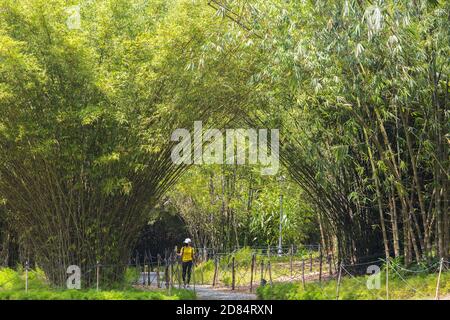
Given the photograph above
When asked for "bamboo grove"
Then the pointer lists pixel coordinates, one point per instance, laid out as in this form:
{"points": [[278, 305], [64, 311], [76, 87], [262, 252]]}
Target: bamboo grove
{"points": [[364, 108], [86, 122], [358, 89]]}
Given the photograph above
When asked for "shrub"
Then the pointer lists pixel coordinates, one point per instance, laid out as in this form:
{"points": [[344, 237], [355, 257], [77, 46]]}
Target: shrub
{"points": [[12, 287], [417, 286]]}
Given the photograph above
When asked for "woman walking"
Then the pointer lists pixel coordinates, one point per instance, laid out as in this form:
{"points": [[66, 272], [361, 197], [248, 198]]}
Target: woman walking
{"points": [[187, 260]]}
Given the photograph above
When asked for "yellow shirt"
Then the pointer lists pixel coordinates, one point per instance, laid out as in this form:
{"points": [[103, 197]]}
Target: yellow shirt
{"points": [[187, 254]]}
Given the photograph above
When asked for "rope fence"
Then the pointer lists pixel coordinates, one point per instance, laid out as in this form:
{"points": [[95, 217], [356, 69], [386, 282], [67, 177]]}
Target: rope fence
{"points": [[258, 267]]}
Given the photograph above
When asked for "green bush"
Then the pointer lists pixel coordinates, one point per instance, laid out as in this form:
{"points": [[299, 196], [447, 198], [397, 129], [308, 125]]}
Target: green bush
{"points": [[94, 295], [243, 257], [421, 286], [226, 279], [9, 279], [15, 280], [132, 275], [206, 266], [278, 292], [12, 287]]}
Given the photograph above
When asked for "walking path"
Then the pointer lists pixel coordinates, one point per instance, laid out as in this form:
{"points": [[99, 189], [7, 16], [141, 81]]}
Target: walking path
{"points": [[205, 292], [208, 293]]}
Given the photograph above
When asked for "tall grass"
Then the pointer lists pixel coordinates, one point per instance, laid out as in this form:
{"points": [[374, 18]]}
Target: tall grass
{"points": [[130, 294], [418, 286], [12, 287]]}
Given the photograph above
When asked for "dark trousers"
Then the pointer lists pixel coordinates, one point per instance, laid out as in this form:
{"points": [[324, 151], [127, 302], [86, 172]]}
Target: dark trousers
{"points": [[187, 268]]}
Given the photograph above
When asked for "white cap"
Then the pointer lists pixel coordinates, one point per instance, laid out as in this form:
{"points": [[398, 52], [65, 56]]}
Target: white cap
{"points": [[187, 240]]}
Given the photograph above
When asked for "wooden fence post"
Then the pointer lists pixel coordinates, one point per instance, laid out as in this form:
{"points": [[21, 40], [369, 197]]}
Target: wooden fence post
{"points": [[136, 261], [144, 269], [338, 282], [233, 273], [310, 261], [262, 271], [98, 274], [201, 273], [150, 264], [170, 273], [216, 270], [144, 276], [26, 276], [387, 279], [193, 274], [150, 268], [303, 272], [138, 268], [252, 269], [166, 272], [176, 271], [158, 264], [269, 267], [291, 259], [320, 265], [439, 279], [179, 273], [329, 265]]}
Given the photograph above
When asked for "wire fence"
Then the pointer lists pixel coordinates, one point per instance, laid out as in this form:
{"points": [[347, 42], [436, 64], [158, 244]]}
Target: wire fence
{"points": [[245, 270], [304, 265]]}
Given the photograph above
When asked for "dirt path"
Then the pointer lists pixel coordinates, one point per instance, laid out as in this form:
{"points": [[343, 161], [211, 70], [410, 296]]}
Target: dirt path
{"points": [[208, 293], [205, 292]]}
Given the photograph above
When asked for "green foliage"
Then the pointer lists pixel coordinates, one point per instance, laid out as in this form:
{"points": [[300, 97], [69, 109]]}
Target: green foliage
{"points": [[131, 274], [87, 116], [349, 83], [358, 89], [421, 286], [243, 256], [15, 279], [12, 287], [234, 205], [94, 295], [10, 279]]}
